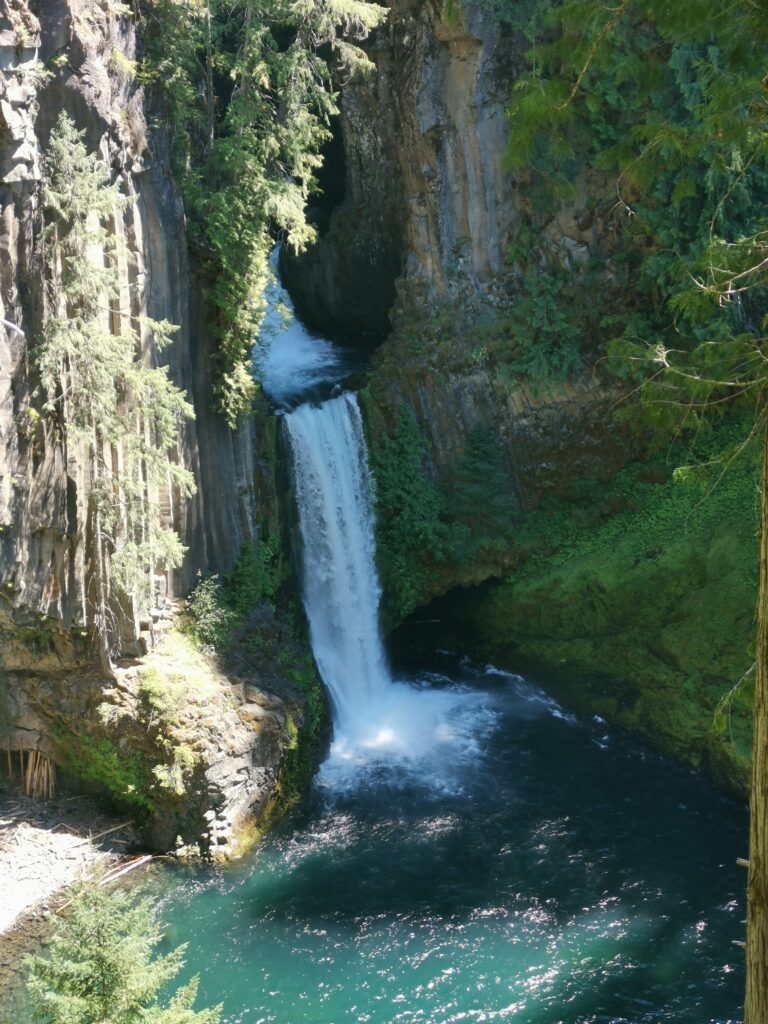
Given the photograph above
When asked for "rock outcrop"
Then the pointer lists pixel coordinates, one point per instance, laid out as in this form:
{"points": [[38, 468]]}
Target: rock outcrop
{"points": [[77, 57], [193, 753], [430, 208], [422, 236]]}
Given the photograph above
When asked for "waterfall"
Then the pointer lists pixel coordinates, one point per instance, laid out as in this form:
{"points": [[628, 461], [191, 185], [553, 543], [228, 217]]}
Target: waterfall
{"points": [[423, 727], [291, 362], [379, 722], [339, 579]]}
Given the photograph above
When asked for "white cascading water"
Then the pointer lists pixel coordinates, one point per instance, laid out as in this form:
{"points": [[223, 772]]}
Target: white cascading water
{"points": [[378, 722], [340, 585], [288, 359]]}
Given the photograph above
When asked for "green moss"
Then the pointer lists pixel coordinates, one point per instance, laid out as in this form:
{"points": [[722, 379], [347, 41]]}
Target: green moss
{"points": [[410, 511], [158, 694], [426, 533], [645, 617], [302, 672], [173, 776], [125, 776], [634, 513]]}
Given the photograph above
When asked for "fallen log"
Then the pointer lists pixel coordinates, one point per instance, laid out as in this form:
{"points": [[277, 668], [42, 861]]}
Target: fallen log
{"points": [[112, 876], [100, 835]]}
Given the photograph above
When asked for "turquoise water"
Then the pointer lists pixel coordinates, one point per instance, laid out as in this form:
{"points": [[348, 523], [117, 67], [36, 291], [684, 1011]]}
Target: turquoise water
{"points": [[554, 873]]}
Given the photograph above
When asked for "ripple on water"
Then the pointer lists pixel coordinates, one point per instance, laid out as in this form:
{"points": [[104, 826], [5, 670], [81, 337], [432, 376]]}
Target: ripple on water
{"points": [[555, 883]]}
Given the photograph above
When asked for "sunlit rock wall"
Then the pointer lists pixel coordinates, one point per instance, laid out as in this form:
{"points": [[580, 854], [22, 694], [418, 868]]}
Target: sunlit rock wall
{"points": [[75, 56]]}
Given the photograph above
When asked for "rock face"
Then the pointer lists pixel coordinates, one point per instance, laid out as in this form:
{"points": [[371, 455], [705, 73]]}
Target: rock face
{"points": [[73, 56], [40, 495], [430, 208], [194, 754], [422, 236]]}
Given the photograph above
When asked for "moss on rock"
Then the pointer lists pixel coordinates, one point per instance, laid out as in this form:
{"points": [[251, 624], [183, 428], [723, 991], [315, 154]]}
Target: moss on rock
{"points": [[645, 615]]}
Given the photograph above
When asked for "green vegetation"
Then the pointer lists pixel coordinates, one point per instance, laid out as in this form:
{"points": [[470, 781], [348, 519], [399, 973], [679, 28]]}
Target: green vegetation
{"points": [[301, 671], [147, 748], [667, 110], [124, 774], [547, 325], [424, 532], [236, 619], [637, 603], [644, 129], [174, 776], [217, 608], [249, 92], [102, 966], [480, 498], [410, 513], [524, 16], [100, 394], [711, 481], [255, 576], [156, 696]]}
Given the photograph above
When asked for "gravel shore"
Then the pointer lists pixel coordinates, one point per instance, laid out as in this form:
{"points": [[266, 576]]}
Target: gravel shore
{"points": [[45, 847]]}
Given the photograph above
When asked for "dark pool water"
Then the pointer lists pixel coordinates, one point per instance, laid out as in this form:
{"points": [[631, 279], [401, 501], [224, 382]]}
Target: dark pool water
{"points": [[564, 876]]}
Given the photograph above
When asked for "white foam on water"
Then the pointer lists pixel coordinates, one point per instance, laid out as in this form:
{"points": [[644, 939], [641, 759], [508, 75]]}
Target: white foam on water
{"points": [[289, 360], [382, 726], [531, 693]]}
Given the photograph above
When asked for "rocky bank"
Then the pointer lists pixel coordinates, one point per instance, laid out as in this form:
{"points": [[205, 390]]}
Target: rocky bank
{"points": [[98, 726]]}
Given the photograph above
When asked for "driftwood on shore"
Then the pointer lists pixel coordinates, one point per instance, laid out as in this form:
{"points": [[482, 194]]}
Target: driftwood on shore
{"points": [[45, 847], [37, 773]]}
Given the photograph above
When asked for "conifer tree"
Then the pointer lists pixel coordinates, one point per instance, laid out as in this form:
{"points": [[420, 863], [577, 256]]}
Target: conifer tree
{"points": [[102, 967], [101, 394], [246, 156], [482, 497]]}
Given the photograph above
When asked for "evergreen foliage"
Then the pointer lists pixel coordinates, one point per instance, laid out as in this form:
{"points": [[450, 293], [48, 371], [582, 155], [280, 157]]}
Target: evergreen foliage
{"points": [[481, 500], [545, 326], [247, 155], [410, 513], [216, 608], [523, 16], [102, 967], [100, 392], [668, 109], [424, 530]]}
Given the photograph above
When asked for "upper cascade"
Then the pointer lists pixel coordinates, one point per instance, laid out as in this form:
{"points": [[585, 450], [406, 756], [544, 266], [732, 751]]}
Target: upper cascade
{"points": [[291, 363]]}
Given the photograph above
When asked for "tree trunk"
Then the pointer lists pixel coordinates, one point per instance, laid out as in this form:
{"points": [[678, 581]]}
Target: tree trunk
{"points": [[756, 1002], [210, 98], [102, 583]]}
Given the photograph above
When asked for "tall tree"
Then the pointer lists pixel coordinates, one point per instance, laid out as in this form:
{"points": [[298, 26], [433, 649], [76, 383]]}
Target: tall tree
{"points": [[99, 389], [102, 967]]}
